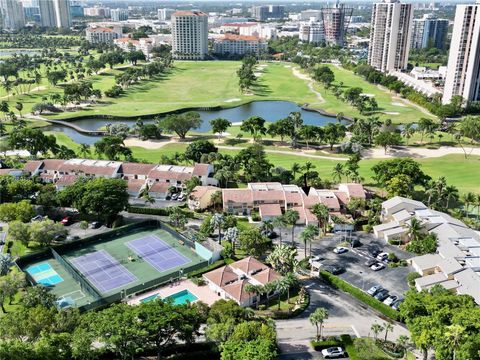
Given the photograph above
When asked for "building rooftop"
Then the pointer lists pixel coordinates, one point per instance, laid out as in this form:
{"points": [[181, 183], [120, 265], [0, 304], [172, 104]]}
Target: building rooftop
{"points": [[188, 13]]}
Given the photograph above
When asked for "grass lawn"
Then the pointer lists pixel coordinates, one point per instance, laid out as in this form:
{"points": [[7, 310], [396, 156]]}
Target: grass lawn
{"points": [[367, 349], [15, 305]]}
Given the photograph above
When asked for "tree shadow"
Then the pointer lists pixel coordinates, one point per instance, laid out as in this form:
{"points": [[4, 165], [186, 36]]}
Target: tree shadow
{"points": [[234, 142]]}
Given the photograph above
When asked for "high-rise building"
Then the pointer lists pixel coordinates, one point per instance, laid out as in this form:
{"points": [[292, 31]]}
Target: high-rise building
{"points": [[308, 15], [189, 35], [265, 12], [276, 11], [463, 75], [390, 35], [12, 14], [335, 23], [62, 13], [312, 32], [119, 14], [429, 32], [47, 14], [165, 14]]}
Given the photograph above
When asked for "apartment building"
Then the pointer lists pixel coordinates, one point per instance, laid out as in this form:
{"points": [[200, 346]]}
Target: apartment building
{"points": [[265, 12], [232, 44], [335, 23], [456, 263], [463, 76], [390, 35], [47, 14], [62, 13], [429, 32], [97, 35], [189, 35], [312, 32], [165, 14], [119, 14], [12, 16]]}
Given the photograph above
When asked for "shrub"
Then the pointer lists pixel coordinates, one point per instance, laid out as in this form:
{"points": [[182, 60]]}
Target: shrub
{"points": [[411, 278], [206, 269], [255, 216], [360, 295], [199, 281], [324, 344], [114, 91], [158, 211]]}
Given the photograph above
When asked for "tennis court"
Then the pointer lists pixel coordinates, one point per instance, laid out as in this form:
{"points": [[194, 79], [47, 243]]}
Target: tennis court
{"points": [[158, 253], [44, 274], [103, 271]]}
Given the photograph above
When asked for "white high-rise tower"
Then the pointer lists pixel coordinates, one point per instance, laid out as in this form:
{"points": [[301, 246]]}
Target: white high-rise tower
{"points": [[189, 35]]}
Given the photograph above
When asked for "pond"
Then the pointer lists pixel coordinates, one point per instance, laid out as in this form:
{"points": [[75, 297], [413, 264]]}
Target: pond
{"points": [[10, 52], [271, 111]]}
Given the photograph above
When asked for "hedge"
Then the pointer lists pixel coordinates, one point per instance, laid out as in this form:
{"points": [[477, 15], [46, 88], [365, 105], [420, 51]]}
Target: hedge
{"points": [[349, 346], [206, 269], [158, 211], [345, 341], [360, 295], [320, 345]]}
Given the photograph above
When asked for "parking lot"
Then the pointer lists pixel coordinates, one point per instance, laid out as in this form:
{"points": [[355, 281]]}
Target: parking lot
{"points": [[353, 261]]}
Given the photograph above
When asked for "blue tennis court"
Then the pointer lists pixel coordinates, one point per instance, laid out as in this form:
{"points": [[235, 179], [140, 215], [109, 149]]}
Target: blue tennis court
{"points": [[158, 253], [44, 274], [103, 271]]}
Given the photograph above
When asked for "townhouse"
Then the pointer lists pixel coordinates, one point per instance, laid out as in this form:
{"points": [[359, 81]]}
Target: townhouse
{"points": [[456, 263], [229, 282], [271, 199]]}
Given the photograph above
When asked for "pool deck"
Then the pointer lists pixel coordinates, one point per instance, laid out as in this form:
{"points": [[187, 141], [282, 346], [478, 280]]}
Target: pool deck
{"points": [[203, 293]]}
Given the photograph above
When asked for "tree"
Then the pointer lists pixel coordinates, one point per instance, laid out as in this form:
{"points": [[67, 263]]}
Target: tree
{"points": [[322, 213], [333, 133], [32, 140], [307, 235], [387, 169], [45, 231], [219, 126], [255, 125], [197, 148], [324, 75], [454, 336], [414, 229], [19, 107], [255, 290], [400, 185], [84, 226], [112, 147], [278, 222], [112, 58], [20, 211], [338, 172], [291, 217], [5, 263], [253, 242], [317, 319], [376, 329], [256, 166], [469, 128], [387, 327], [283, 259], [180, 123], [216, 223], [38, 295], [387, 139], [407, 131]]}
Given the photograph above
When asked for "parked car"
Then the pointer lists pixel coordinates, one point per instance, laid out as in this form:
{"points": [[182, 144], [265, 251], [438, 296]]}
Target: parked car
{"points": [[334, 269], [269, 234], [340, 250], [59, 237], [37, 218], [174, 196], [333, 352], [390, 300], [374, 250], [377, 266], [381, 295], [181, 197], [370, 262], [374, 289], [95, 225], [382, 256], [67, 220], [72, 237], [396, 304]]}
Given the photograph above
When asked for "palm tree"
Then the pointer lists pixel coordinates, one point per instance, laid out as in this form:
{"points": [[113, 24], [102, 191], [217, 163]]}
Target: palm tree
{"points": [[467, 199], [376, 329], [268, 288], [279, 223], [337, 173], [216, 199], [322, 214], [292, 282], [296, 168], [451, 193], [254, 289], [266, 226], [84, 150], [317, 318], [282, 288], [387, 327], [291, 217], [283, 259], [307, 236], [408, 131], [454, 336], [414, 229], [340, 116], [402, 342], [306, 168], [216, 222], [19, 107]]}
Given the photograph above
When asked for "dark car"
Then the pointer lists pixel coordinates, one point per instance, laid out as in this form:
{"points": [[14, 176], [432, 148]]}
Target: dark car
{"points": [[95, 225], [354, 242], [370, 262], [381, 295], [396, 304], [334, 269], [269, 234], [374, 250]]}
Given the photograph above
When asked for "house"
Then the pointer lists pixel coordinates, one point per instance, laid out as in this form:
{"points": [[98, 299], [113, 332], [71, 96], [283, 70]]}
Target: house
{"points": [[65, 180], [135, 186], [230, 281], [201, 197], [159, 190], [16, 173]]}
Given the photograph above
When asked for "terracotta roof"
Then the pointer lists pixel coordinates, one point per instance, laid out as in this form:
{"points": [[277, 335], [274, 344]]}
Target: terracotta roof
{"points": [[52, 164], [32, 165], [135, 184], [234, 37], [100, 30], [200, 170], [159, 187], [248, 265], [240, 24], [342, 197], [188, 13], [199, 191], [331, 203], [293, 197], [221, 276], [66, 179], [237, 195], [130, 168], [310, 200], [237, 290], [310, 216], [168, 175], [270, 195], [270, 210], [301, 213], [266, 276], [45, 176], [354, 190], [88, 169]]}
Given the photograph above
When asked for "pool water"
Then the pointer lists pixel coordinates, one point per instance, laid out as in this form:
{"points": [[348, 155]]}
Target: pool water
{"points": [[179, 298]]}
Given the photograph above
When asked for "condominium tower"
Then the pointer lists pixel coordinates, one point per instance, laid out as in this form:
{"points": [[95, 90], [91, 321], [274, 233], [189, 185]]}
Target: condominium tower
{"points": [[335, 23], [390, 35], [189, 35], [429, 32], [12, 16], [47, 14], [463, 75], [62, 13]]}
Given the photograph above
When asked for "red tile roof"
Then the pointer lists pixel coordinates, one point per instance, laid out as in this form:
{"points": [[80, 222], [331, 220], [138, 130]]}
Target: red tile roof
{"points": [[66, 179], [200, 191], [169, 175], [248, 265], [52, 164], [266, 276], [159, 187], [32, 165], [130, 168], [270, 195], [237, 195], [88, 169], [135, 184], [354, 190], [189, 13], [342, 197], [237, 290], [221, 276], [233, 37], [270, 210], [200, 170]]}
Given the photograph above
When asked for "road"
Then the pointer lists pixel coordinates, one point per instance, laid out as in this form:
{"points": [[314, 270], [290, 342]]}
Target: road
{"points": [[347, 315]]}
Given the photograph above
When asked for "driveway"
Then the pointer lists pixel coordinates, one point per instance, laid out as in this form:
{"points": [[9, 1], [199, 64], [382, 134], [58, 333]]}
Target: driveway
{"points": [[346, 315]]}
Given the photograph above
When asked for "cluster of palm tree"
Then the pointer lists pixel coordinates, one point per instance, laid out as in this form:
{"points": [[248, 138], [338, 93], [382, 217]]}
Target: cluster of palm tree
{"points": [[387, 327], [278, 288], [36, 41], [439, 194], [246, 75], [317, 318]]}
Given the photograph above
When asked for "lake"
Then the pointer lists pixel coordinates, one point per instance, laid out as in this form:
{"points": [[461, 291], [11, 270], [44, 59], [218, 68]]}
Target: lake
{"points": [[271, 111]]}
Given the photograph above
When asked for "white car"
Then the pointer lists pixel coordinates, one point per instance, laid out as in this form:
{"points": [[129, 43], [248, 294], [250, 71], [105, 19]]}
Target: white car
{"points": [[377, 267], [333, 353], [390, 300], [340, 250], [382, 256]]}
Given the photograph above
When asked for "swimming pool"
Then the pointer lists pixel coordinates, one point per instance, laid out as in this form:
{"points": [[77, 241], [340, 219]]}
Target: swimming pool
{"points": [[180, 298]]}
